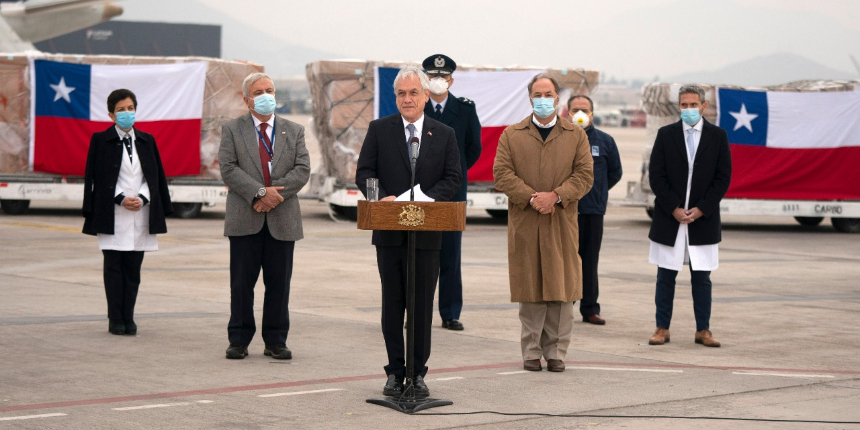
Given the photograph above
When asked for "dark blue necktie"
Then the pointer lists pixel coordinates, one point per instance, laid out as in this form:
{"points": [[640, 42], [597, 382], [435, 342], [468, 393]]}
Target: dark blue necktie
{"points": [[411, 128], [127, 142]]}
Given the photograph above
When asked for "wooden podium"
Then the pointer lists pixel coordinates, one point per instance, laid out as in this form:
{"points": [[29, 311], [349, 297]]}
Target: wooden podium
{"points": [[411, 216]]}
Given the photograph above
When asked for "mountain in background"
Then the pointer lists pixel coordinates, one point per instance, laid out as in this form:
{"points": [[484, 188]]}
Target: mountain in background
{"points": [[765, 70], [239, 41]]}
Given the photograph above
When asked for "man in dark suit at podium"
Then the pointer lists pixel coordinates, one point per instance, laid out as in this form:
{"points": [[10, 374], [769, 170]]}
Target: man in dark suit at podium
{"points": [[386, 155]]}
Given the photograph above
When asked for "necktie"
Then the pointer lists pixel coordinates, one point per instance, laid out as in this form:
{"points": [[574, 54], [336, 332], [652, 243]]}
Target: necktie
{"points": [[265, 158], [127, 142], [439, 111], [690, 144], [411, 128]]}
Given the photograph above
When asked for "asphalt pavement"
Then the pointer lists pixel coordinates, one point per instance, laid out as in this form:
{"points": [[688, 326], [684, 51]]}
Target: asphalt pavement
{"points": [[786, 301]]}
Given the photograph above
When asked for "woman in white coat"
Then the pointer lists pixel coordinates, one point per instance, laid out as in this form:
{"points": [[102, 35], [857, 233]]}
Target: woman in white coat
{"points": [[125, 204]]}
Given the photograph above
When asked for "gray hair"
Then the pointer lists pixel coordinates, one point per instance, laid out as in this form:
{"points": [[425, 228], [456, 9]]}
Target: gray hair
{"points": [[409, 71], [251, 80], [544, 76], [692, 89]]}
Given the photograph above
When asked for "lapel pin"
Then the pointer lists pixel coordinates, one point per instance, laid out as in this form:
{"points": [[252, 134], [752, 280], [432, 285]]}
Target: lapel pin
{"points": [[283, 132], [429, 133]]}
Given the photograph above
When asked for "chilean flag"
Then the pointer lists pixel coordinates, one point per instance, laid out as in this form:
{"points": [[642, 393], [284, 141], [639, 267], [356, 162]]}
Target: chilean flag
{"points": [[501, 99], [792, 145], [68, 103]]}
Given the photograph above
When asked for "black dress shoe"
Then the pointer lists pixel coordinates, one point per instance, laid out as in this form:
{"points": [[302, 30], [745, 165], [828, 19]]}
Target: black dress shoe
{"points": [[532, 365], [130, 328], [453, 324], [278, 352], [594, 319], [116, 327], [421, 389], [393, 387], [554, 365], [237, 352]]}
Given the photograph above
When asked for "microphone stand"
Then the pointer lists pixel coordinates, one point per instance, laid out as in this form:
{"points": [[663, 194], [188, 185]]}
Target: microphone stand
{"points": [[407, 402]]}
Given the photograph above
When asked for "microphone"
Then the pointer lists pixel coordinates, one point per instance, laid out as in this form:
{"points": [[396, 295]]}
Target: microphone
{"points": [[414, 143]]}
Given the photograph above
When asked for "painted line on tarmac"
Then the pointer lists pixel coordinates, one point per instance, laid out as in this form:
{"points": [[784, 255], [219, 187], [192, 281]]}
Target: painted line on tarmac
{"points": [[161, 405], [340, 380], [453, 378], [298, 393], [513, 373], [785, 375], [30, 417], [626, 369]]}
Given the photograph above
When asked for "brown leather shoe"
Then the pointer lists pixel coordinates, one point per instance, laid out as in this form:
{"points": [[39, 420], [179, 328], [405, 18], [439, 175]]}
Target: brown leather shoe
{"points": [[554, 365], [661, 336], [594, 319], [704, 337], [532, 365]]}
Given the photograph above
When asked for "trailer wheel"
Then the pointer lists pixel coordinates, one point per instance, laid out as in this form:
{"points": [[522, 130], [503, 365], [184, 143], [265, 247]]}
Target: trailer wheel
{"points": [[809, 221], [15, 207], [187, 210], [346, 211], [500, 214], [846, 225]]}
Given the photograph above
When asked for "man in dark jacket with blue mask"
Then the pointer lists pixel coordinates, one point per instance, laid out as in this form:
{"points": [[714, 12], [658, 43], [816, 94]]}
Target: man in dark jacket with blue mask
{"points": [[460, 114], [592, 207]]}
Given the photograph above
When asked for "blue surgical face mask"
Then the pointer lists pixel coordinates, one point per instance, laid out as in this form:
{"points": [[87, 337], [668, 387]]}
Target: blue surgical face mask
{"points": [[691, 116], [125, 120], [543, 106], [264, 104]]}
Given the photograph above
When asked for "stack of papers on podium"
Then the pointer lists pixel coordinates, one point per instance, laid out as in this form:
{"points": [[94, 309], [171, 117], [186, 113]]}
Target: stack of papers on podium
{"points": [[419, 196]]}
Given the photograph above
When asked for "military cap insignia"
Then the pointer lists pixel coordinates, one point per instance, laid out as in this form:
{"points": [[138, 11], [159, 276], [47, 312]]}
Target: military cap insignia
{"points": [[439, 62]]}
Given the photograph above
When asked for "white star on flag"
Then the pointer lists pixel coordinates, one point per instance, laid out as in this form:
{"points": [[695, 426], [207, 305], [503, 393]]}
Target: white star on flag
{"points": [[743, 118], [62, 90]]}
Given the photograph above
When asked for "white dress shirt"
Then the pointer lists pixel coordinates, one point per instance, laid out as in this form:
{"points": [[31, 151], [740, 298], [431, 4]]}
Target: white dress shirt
{"points": [[700, 257], [419, 125], [550, 125], [269, 130], [131, 228]]}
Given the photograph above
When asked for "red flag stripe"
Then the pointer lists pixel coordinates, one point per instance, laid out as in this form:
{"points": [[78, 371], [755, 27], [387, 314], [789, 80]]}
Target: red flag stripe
{"points": [[760, 172], [61, 144]]}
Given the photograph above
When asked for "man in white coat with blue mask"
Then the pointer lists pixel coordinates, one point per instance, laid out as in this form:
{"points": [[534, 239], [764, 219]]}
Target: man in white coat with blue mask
{"points": [[265, 164], [690, 171]]}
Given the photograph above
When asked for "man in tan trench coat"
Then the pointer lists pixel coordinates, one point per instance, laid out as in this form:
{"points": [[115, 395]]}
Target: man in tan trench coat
{"points": [[544, 166]]}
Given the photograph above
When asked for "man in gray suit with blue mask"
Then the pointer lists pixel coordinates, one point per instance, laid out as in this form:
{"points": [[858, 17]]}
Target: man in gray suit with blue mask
{"points": [[264, 163]]}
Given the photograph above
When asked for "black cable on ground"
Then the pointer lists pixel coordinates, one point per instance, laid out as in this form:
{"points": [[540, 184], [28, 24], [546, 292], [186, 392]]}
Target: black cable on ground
{"points": [[671, 417]]}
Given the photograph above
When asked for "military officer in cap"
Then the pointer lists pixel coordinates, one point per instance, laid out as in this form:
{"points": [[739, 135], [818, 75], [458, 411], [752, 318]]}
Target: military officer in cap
{"points": [[458, 113]]}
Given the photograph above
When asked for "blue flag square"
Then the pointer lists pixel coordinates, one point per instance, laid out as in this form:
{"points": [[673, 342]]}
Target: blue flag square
{"points": [[743, 114], [385, 86], [62, 89]]}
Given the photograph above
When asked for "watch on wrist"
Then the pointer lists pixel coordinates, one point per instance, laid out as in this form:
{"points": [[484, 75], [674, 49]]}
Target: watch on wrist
{"points": [[261, 192]]}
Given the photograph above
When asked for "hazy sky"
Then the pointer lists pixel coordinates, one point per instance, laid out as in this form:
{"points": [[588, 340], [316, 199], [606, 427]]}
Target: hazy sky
{"points": [[623, 38]]}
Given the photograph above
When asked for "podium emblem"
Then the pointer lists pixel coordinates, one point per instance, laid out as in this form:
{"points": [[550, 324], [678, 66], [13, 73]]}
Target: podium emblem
{"points": [[411, 216]]}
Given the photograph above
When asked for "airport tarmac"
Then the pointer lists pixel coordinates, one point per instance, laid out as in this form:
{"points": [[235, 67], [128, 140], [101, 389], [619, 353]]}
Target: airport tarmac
{"points": [[786, 301], [785, 307]]}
